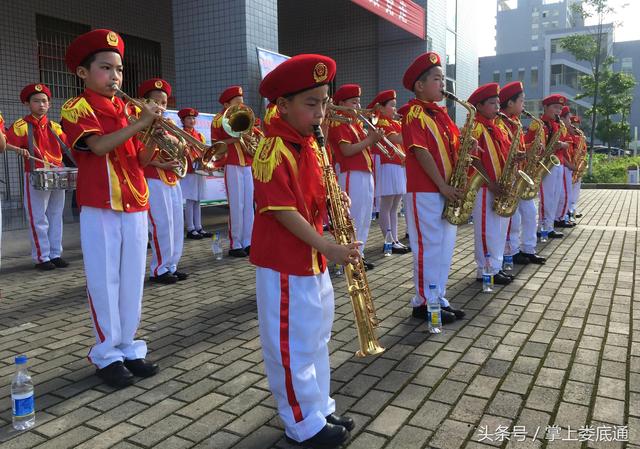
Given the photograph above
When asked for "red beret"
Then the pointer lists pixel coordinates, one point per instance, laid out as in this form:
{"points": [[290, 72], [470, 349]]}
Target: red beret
{"points": [[554, 99], [92, 42], [34, 89], [383, 97], [403, 109], [347, 91], [187, 112], [484, 92], [154, 84], [565, 111], [229, 94], [297, 74], [510, 90], [576, 119], [419, 65]]}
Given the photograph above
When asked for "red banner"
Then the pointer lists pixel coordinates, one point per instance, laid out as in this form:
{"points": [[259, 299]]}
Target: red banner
{"points": [[403, 13]]}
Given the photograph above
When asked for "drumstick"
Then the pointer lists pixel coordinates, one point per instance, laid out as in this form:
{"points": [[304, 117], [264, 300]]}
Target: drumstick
{"points": [[46, 163]]}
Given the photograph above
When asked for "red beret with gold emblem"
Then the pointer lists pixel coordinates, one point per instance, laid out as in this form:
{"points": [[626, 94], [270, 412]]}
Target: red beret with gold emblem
{"points": [[229, 94], [154, 84], [31, 89], [187, 112], [347, 91], [419, 65], [484, 92], [90, 43], [510, 90], [297, 74], [575, 119], [402, 110], [565, 111], [382, 98], [554, 99]]}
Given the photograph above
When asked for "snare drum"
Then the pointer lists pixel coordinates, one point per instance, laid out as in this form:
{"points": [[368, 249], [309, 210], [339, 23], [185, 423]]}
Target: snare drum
{"points": [[54, 178]]}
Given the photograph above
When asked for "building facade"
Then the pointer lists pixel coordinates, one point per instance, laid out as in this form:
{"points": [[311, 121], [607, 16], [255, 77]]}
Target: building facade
{"points": [[204, 46]]}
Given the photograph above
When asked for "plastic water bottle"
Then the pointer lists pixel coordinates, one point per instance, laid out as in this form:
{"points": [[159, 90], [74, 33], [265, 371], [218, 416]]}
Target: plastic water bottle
{"points": [[388, 243], [544, 235], [487, 276], [338, 270], [22, 398], [433, 308], [216, 246], [507, 262]]}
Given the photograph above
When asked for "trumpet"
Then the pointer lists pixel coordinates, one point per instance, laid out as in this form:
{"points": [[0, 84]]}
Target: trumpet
{"points": [[238, 122], [204, 152]]}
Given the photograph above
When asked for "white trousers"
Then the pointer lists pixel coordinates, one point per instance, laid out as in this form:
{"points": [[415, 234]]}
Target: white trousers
{"points": [[564, 194], [376, 182], [575, 196], [193, 215], [44, 215], [432, 241], [166, 224], [359, 186], [522, 229], [549, 196], [295, 315], [239, 183], [490, 232], [114, 245]]}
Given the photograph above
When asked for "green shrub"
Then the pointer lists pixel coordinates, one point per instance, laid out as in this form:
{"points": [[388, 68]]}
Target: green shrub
{"points": [[610, 171]]}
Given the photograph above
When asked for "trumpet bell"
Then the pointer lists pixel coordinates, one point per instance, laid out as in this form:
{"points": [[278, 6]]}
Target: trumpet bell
{"points": [[238, 120]]}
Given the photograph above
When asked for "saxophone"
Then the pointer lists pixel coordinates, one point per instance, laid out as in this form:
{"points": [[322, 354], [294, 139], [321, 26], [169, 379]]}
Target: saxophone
{"points": [[535, 166], [579, 159], [458, 212], [357, 284], [506, 203]]}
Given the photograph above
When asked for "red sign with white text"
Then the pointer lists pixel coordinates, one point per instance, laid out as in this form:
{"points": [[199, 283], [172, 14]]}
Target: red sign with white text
{"points": [[403, 13]]}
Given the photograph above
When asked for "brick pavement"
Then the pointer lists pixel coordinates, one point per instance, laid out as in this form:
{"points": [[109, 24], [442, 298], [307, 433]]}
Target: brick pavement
{"points": [[559, 346]]}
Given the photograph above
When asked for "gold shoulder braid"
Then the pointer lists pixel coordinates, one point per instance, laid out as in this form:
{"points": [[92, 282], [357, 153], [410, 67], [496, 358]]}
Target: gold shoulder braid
{"points": [[268, 156], [76, 108]]}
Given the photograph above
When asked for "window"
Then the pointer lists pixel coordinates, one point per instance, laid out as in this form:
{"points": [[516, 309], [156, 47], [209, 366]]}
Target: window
{"points": [[534, 37], [545, 24], [451, 54], [626, 65], [534, 26], [545, 13], [534, 48], [450, 85], [562, 75], [452, 7], [521, 74], [142, 62], [554, 24], [508, 76], [54, 36], [556, 46], [496, 76], [534, 77]]}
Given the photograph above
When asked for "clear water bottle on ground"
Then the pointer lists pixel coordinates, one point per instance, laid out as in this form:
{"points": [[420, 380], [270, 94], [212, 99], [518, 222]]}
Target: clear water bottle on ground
{"points": [[434, 314], [388, 243], [544, 234], [487, 276], [338, 270], [22, 397], [507, 262], [216, 246]]}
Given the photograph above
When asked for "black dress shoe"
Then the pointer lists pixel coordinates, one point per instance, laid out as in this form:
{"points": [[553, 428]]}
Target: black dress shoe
{"points": [[205, 234], [578, 215], [59, 262], [45, 266], [533, 258], [165, 278], [238, 252], [331, 436], [521, 259], [344, 421], [399, 250], [115, 375], [180, 275], [141, 367], [248, 250], [505, 274], [422, 313], [563, 224], [459, 313], [368, 265], [500, 279], [555, 235], [194, 235]]}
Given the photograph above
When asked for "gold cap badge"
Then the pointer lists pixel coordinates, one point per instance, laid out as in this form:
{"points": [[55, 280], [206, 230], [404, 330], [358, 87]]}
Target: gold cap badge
{"points": [[38, 87], [320, 72], [112, 39], [433, 58], [158, 84]]}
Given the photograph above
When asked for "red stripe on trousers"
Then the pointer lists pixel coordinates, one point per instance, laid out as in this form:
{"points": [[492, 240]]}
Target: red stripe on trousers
{"points": [[347, 183], [564, 186], [95, 318], [484, 221], [229, 223], [416, 219], [541, 202], [284, 347], [33, 228], [155, 244], [509, 228]]}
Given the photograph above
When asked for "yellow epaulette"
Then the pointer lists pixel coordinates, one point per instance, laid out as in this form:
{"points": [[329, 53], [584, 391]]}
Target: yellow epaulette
{"points": [[76, 108], [534, 126], [20, 128], [1, 120], [269, 114], [202, 138], [383, 122], [477, 130], [217, 120], [56, 127], [268, 156]]}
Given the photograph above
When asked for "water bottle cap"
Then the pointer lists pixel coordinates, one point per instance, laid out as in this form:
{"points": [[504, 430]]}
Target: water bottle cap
{"points": [[432, 285], [487, 255], [21, 359]]}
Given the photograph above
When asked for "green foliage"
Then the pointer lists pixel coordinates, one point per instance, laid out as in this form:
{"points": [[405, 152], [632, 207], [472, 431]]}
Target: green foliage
{"points": [[610, 170]]}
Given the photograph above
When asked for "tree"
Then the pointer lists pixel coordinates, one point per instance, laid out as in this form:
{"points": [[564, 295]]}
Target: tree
{"points": [[592, 48]]}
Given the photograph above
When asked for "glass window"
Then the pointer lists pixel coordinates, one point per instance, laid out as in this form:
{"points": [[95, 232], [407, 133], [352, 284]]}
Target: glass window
{"points": [[534, 26], [496, 76], [451, 54], [452, 10], [143, 61], [534, 48], [508, 76], [521, 74], [626, 65], [451, 105], [534, 77]]}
